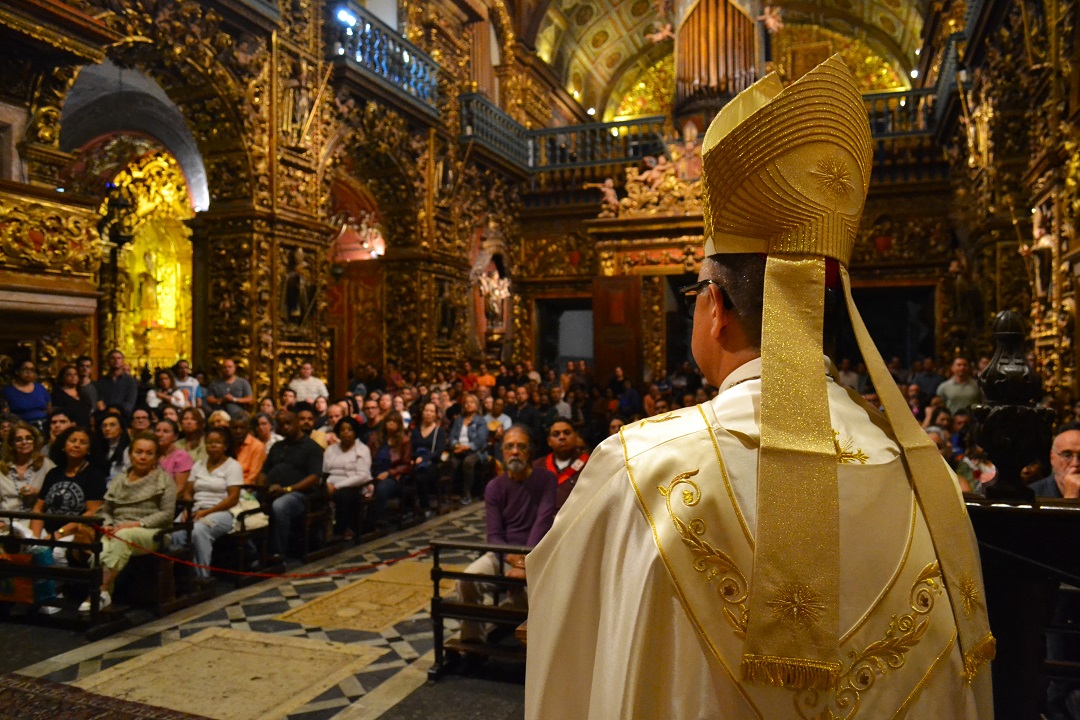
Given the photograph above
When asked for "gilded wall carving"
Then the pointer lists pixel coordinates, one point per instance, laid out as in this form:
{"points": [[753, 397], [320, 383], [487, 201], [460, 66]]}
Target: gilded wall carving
{"points": [[560, 256], [43, 236], [654, 326]]}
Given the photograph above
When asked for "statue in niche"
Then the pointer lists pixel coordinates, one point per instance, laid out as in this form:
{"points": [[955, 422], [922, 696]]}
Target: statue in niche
{"points": [[296, 105], [495, 290], [447, 311], [299, 292], [148, 292]]}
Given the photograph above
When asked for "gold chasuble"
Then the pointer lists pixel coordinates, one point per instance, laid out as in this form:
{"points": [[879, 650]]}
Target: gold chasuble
{"points": [[784, 550]]}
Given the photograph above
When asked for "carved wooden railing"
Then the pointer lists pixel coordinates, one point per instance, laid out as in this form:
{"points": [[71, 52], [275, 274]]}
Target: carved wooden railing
{"points": [[374, 48], [597, 143], [904, 112], [482, 122]]}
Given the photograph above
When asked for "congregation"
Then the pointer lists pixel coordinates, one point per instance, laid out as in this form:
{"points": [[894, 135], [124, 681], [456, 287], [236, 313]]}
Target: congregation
{"points": [[126, 448]]}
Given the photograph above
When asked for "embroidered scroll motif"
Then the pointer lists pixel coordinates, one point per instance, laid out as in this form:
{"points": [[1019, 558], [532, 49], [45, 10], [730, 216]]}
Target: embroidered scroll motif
{"points": [[708, 560], [890, 653], [844, 454], [796, 604], [670, 415]]}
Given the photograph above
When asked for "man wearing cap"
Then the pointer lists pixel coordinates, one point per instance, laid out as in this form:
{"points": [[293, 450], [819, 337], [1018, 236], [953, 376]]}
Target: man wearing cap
{"points": [[764, 554]]}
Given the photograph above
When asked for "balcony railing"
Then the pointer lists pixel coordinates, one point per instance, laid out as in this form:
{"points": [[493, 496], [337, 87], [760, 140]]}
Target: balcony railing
{"points": [[483, 122], [898, 113], [597, 143], [376, 49]]}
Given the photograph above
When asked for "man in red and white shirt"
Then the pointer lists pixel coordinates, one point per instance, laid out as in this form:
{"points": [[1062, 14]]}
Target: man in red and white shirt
{"points": [[566, 460]]}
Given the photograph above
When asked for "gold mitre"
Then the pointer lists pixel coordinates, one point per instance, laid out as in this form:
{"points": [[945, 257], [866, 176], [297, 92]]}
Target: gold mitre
{"points": [[786, 170], [785, 173]]}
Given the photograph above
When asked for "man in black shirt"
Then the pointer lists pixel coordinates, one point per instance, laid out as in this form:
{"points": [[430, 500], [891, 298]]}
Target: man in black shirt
{"points": [[291, 473], [524, 413], [117, 387]]}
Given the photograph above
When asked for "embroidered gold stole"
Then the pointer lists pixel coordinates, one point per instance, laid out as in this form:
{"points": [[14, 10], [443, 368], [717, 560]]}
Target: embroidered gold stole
{"points": [[896, 624]]}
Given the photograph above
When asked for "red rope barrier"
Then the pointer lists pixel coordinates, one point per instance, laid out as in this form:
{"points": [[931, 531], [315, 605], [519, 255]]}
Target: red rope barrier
{"points": [[249, 573]]}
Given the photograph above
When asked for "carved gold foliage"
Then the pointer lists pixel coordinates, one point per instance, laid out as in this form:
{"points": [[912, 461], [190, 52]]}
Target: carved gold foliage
{"points": [[659, 191], [563, 256], [714, 564], [43, 236]]}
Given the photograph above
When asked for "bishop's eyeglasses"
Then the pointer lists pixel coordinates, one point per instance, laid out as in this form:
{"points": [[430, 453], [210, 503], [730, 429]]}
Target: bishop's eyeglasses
{"points": [[690, 295]]}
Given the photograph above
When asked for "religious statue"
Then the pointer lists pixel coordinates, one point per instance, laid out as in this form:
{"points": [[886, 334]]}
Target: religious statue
{"points": [[299, 294], [296, 105], [148, 292], [495, 290], [447, 311]]}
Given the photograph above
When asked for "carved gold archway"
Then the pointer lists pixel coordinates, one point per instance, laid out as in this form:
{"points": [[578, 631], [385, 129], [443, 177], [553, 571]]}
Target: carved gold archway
{"points": [[152, 320]]}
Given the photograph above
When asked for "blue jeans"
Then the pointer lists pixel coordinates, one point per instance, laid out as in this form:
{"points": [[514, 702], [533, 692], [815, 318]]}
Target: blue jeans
{"points": [[385, 489], [205, 532], [284, 511]]}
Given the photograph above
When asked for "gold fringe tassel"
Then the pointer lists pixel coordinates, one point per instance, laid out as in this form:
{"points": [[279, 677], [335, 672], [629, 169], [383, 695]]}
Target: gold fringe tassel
{"points": [[795, 673], [983, 652]]}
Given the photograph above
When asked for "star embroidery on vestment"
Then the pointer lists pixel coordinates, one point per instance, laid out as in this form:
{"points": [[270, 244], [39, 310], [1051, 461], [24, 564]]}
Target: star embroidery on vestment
{"points": [[797, 604], [833, 176]]}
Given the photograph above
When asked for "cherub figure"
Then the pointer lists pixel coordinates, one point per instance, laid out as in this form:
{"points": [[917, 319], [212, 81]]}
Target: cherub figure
{"points": [[770, 15], [661, 33], [658, 167], [609, 204]]}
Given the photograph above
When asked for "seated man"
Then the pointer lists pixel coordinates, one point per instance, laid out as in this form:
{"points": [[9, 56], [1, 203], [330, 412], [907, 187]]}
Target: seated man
{"points": [[566, 460], [291, 473], [305, 416], [520, 506]]}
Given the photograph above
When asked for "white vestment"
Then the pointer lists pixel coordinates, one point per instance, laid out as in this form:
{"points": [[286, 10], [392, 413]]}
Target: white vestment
{"points": [[638, 592]]}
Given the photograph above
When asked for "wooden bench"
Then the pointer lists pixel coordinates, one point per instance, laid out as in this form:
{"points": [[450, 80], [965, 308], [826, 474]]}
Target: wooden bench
{"points": [[88, 577], [448, 653]]}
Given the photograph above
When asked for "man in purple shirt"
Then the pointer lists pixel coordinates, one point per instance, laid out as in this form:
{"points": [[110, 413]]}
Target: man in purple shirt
{"points": [[520, 507]]}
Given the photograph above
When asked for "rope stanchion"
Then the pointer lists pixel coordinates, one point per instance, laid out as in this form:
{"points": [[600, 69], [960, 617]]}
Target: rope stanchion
{"points": [[251, 573]]}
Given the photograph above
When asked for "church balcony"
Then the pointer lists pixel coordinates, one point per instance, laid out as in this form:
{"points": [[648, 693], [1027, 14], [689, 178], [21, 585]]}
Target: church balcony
{"points": [[380, 64], [499, 138]]}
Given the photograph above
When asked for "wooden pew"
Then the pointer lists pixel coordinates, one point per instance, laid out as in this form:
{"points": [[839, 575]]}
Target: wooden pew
{"points": [[448, 652], [1028, 549]]}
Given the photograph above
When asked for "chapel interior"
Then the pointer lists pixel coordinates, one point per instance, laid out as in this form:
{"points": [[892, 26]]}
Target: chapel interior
{"points": [[416, 184]]}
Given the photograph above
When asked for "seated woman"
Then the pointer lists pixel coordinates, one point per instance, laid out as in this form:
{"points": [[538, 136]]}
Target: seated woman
{"points": [[468, 441], [138, 504], [22, 469], [218, 419], [174, 461], [165, 391], [262, 426], [391, 460], [347, 464], [110, 444], [75, 486], [26, 397], [192, 425], [215, 487], [428, 445]]}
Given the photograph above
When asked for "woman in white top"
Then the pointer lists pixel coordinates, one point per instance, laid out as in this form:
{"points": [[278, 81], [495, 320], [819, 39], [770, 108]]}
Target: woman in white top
{"points": [[165, 391], [214, 485], [347, 465]]}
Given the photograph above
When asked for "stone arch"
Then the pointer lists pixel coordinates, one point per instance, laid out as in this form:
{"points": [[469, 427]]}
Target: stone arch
{"points": [[105, 99], [212, 83]]}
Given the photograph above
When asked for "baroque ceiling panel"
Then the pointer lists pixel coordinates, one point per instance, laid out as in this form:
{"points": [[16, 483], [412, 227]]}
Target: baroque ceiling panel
{"points": [[591, 43], [892, 28], [599, 48]]}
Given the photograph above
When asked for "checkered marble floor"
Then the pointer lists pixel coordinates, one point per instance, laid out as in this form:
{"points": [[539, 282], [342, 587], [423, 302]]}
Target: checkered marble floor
{"points": [[255, 607]]}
